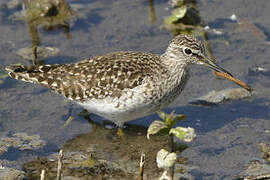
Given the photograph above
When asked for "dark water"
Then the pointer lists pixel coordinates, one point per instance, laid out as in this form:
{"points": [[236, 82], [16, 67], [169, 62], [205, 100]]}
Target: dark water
{"points": [[228, 133]]}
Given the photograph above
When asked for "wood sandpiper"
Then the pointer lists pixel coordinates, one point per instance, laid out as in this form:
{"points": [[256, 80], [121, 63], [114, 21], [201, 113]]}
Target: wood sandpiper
{"points": [[122, 86]]}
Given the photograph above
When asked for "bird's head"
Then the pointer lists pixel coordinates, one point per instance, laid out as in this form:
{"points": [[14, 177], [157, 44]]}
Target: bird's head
{"points": [[188, 50]]}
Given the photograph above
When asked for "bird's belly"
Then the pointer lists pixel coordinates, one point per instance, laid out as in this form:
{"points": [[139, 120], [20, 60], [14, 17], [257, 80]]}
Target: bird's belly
{"points": [[121, 110]]}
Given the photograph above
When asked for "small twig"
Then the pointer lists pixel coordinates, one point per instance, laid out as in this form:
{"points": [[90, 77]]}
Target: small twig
{"points": [[142, 161], [59, 167], [152, 13], [173, 149], [172, 169], [42, 175], [34, 55], [171, 136], [237, 81]]}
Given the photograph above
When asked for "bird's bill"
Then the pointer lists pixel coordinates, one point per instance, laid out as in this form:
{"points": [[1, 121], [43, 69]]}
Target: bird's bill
{"points": [[219, 71], [212, 65]]}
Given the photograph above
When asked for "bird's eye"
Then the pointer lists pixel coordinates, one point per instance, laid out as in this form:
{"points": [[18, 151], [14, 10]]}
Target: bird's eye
{"points": [[188, 51]]}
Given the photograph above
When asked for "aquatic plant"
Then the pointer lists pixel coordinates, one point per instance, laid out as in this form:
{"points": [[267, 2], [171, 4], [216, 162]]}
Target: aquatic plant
{"points": [[166, 127]]}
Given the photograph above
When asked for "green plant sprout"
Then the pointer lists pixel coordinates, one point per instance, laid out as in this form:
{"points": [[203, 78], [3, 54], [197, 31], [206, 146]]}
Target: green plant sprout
{"points": [[166, 127]]}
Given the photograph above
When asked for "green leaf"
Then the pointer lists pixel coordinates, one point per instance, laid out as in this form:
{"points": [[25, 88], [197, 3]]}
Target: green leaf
{"points": [[169, 119], [176, 119], [185, 134], [171, 19], [172, 118], [180, 12], [155, 127], [178, 132], [162, 115], [180, 117]]}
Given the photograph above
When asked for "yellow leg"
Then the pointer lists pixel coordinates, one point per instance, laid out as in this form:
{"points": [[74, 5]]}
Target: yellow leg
{"points": [[121, 134]]}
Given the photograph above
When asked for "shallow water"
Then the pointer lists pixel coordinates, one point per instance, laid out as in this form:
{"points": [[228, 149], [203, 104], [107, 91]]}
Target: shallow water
{"points": [[228, 133]]}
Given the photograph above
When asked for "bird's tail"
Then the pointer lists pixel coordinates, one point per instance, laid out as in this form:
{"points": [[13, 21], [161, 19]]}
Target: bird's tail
{"points": [[20, 72], [33, 74]]}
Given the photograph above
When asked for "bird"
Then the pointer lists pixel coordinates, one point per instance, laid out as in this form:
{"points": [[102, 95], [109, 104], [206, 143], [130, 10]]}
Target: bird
{"points": [[125, 85]]}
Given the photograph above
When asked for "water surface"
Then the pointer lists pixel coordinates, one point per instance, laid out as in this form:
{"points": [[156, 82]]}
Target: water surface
{"points": [[228, 134]]}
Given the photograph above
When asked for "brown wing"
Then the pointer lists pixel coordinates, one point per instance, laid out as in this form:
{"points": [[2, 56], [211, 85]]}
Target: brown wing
{"points": [[97, 77]]}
